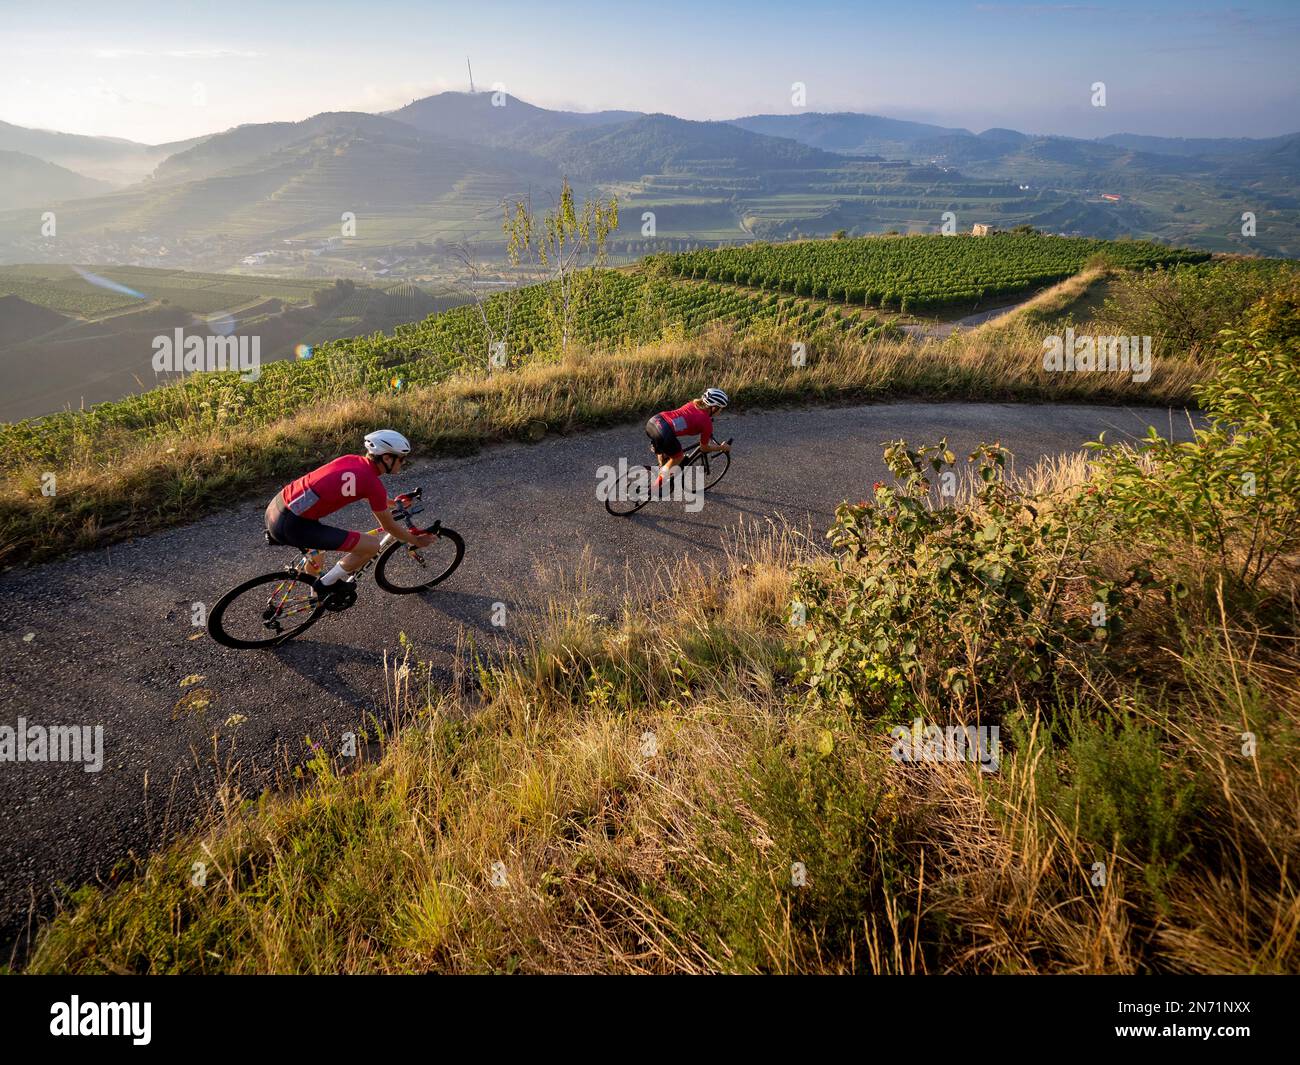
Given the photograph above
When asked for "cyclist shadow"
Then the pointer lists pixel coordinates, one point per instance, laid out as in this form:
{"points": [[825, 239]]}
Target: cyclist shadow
{"points": [[468, 609], [763, 507], [324, 663], [657, 521]]}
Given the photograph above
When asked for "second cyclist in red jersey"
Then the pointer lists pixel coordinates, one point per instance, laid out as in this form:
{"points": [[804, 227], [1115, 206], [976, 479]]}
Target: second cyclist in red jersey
{"points": [[694, 418]]}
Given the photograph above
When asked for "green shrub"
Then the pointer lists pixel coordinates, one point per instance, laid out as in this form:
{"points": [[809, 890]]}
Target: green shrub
{"points": [[1234, 490], [926, 605]]}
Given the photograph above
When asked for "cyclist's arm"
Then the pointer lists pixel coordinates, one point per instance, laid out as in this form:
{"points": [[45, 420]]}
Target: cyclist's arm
{"points": [[706, 447], [399, 531]]}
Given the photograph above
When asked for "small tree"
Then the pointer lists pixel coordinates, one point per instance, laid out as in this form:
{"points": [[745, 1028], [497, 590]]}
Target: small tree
{"points": [[495, 311], [564, 244]]}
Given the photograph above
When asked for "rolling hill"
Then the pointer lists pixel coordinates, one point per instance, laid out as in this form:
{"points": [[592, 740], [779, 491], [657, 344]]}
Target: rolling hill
{"points": [[438, 169], [26, 181], [845, 131], [118, 162], [473, 117], [662, 144], [291, 180], [246, 144]]}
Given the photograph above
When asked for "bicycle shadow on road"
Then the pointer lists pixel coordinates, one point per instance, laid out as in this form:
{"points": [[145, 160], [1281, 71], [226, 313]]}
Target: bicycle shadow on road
{"points": [[469, 609], [320, 664], [657, 521], [323, 663]]}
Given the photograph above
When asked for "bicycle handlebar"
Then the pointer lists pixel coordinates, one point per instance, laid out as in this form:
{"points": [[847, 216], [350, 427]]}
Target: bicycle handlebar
{"points": [[404, 512]]}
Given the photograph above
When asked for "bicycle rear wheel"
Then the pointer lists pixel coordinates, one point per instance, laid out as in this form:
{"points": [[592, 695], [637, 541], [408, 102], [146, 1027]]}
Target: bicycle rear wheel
{"points": [[265, 611], [403, 569]]}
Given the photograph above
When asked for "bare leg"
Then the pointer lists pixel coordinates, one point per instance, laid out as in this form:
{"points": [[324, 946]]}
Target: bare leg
{"points": [[666, 466], [366, 549]]}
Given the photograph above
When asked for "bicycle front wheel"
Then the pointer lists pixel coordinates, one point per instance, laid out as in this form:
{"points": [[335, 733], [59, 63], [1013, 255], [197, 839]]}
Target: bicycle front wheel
{"points": [[715, 465], [631, 491], [403, 569], [265, 611]]}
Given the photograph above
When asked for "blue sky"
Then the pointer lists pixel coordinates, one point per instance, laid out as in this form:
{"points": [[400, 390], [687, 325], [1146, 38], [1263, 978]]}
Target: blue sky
{"points": [[155, 71]]}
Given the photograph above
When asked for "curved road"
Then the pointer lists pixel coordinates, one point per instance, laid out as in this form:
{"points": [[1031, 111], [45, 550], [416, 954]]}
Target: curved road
{"points": [[105, 637]]}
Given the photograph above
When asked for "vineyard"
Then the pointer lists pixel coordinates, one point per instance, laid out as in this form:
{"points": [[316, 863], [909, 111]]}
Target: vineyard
{"points": [[669, 295], [614, 309], [917, 273]]}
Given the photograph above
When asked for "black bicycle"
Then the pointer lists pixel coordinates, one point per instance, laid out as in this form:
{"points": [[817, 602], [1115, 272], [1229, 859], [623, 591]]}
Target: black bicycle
{"points": [[638, 485], [269, 610]]}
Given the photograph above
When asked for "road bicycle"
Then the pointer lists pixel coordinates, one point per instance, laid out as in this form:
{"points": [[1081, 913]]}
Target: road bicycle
{"points": [[636, 486], [274, 608]]}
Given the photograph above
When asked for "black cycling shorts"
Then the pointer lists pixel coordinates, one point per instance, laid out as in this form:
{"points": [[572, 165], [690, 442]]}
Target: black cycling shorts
{"points": [[289, 529], [663, 441]]}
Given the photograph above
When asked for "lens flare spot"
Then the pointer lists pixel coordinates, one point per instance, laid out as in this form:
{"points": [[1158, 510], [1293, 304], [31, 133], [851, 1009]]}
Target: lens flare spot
{"points": [[302, 351]]}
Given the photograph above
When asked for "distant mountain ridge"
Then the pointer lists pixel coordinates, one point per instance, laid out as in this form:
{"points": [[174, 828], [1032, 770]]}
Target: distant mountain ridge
{"points": [[26, 181], [843, 131], [497, 119], [439, 168], [109, 159]]}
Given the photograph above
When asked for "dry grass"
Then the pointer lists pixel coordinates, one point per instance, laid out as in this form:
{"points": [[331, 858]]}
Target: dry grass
{"points": [[123, 488], [1050, 303], [621, 796]]}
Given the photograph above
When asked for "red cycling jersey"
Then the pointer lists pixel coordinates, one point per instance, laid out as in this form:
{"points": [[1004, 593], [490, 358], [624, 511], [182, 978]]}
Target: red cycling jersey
{"points": [[333, 486], [690, 420]]}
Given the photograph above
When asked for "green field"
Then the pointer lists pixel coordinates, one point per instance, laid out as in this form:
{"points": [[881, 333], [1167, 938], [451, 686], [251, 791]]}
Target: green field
{"points": [[63, 289], [918, 273]]}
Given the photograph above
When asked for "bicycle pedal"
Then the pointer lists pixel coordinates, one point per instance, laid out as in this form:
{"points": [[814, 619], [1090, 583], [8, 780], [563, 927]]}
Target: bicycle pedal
{"points": [[339, 596]]}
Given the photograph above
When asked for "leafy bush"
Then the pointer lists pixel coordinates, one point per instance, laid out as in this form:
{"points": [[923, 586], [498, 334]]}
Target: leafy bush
{"points": [[1183, 307], [924, 606], [1234, 490]]}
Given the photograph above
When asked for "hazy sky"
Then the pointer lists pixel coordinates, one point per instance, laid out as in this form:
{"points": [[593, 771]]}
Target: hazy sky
{"points": [[158, 70]]}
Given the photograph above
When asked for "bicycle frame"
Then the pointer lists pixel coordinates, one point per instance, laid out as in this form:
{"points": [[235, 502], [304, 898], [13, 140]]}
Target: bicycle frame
{"points": [[402, 511]]}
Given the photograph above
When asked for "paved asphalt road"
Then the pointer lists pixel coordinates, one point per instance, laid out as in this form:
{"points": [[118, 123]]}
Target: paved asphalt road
{"points": [[105, 637]]}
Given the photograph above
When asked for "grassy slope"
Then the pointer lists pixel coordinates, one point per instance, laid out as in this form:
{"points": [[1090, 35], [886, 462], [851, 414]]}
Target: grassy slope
{"points": [[621, 796], [120, 487], [626, 797]]}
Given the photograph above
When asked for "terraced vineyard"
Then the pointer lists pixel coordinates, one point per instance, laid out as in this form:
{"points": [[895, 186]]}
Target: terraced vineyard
{"points": [[614, 308], [917, 273]]}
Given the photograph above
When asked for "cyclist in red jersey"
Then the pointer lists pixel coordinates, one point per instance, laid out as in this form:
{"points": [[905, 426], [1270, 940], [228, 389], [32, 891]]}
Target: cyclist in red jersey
{"points": [[293, 515], [694, 418]]}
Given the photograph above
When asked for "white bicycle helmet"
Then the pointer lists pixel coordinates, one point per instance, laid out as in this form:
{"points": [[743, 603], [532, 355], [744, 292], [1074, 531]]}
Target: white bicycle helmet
{"points": [[387, 442], [714, 397]]}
